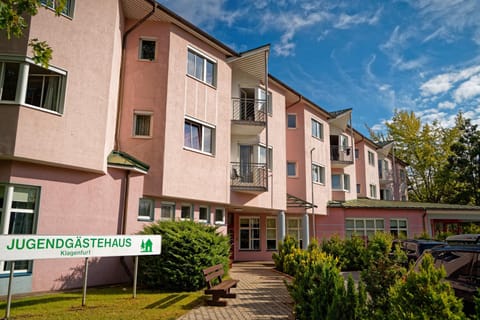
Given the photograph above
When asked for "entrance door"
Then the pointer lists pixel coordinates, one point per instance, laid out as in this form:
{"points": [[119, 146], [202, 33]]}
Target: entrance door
{"points": [[246, 158]]}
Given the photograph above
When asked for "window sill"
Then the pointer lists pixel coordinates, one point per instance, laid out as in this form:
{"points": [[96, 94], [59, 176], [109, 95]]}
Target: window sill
{"points": [[142, 137], [16, 274], [199, 151], [42, 109], [249, 250], [145, 219]]}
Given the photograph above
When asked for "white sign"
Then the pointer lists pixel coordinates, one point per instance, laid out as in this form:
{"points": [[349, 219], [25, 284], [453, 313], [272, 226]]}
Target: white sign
{"points": [[30, 247]]}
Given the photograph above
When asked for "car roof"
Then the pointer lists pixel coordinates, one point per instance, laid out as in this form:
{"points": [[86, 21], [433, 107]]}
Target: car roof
{"points": [[458, 248], [424, 241], [466, 238]]}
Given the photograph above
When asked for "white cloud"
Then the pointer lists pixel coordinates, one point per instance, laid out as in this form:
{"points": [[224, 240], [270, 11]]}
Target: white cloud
{"points": [[468, 89], [346, 21], [447, 105], [442, 83]]}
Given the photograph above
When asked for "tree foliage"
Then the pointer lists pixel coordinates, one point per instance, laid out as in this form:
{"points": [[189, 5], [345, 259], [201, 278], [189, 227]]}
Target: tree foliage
{"points": [[13, 24]]}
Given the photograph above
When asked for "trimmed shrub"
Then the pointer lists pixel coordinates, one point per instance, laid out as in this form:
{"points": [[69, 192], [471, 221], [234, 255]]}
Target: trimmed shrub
{"points": [[285, 248], [187, 249], [335, 247], [424, 295], [354, 252]]}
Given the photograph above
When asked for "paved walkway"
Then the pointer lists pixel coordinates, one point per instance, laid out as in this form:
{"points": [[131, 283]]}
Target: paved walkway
{"points": [[261, 294]]}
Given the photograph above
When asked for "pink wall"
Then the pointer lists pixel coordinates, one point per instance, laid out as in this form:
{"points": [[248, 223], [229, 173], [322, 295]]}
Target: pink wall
{"points": [[90, 101], [76, 202]]}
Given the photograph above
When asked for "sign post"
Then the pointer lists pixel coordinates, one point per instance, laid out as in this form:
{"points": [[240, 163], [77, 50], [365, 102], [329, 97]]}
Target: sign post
{"points": [[17, 247]]}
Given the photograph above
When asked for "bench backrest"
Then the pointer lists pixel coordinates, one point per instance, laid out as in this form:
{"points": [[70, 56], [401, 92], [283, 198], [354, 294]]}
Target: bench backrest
{"points": [[213, 274]]}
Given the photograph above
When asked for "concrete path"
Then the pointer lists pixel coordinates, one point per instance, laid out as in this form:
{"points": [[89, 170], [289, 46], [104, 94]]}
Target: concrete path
{"points": [[261, 294]]}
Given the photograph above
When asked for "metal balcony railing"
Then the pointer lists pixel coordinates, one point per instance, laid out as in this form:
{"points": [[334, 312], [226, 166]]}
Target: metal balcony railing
{"points": [[248, 176], [341, 153], [249, 110]]}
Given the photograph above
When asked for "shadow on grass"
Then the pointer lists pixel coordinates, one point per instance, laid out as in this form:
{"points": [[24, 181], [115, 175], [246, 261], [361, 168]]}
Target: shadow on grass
{"points": [[173, 299], [31, 302]]}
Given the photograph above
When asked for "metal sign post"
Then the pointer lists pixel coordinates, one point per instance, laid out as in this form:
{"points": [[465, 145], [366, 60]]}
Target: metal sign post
{"points": [[9, 296], [85, 281], [135, 272]]}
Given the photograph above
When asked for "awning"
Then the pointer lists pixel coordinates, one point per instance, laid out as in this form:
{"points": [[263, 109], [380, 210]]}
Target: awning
{"points": [[295, 202]]}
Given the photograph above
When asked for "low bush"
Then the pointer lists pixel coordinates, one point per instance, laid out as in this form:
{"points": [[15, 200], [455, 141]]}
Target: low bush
{"points": [[187, 249]]}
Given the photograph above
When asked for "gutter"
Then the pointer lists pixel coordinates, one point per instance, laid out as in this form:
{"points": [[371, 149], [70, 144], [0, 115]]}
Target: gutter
{"points": [[117, 124]]}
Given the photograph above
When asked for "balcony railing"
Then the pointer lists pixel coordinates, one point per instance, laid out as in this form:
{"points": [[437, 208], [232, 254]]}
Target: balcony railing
{"points": [[341, 154], [248, 176], [249, 110], [385, 175]]}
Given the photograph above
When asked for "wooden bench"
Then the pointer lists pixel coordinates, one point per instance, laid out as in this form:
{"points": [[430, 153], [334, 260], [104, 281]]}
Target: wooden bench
{"points": [[217, 287]]}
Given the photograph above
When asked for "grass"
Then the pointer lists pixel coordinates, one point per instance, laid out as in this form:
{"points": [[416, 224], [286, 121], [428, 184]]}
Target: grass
{"points": [[104, 303]]}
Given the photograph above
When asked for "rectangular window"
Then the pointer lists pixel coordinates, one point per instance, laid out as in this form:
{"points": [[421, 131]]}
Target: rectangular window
{"points": [[67, 9], [292, 169], [318, 174], [167, 211], [292, 120], [398, 228], [9, 72], [386, 194], [199, 136], [294, 229], [147, 49], [219, 216], [317, 129], [142, 123], [271, 234], [373, 191], [262, 156], [18, 217], [371, 158], [249, 233], [363, 227], [341, 182], [357, 153], [186, 212], [201, 67], [146, 209], [204, 214], [358, 188]]}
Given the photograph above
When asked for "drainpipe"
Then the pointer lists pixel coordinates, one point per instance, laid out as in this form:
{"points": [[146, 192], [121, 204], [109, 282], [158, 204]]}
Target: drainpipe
{"points": [[313, 204], [117, 125], [122, 73], [266, 117]]}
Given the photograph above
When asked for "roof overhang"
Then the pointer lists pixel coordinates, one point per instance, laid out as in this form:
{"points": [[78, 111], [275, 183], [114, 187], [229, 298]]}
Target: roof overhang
{"points": [[295, 202], [341, 120], [124, 161], [254, 62]]}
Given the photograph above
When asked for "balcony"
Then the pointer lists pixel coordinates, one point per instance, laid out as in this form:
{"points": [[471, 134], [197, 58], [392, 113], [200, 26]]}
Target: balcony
{"points": [[385, 176], [341, 156], [248, 177], [249, 116]]}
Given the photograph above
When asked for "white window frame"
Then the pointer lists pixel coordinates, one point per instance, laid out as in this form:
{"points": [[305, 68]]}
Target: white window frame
{"points": [[371, 158], [219, 221], [140, 49], [344, 182], [289, 165], [203, 58], [262, 155], [190, 211], [317, 129], [22, 86], [207, 208], [172, 208], [272, 230], [151, 213], [67, 10], [292, 116], [295, 232], [363, 231], [318, 173], [7, 211], [202, 125], [149, 114], [373, 191], [252, 240], [397, 230]]}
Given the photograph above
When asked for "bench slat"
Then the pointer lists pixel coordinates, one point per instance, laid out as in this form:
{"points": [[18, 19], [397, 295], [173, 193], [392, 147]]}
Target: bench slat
{"points": [[220, 290]]}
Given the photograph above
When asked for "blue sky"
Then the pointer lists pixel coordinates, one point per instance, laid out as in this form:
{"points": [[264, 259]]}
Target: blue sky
{"points": [[371, 56]]}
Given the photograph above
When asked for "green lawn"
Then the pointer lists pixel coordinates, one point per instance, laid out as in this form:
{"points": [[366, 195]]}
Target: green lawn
{"points": [[104, 303]]}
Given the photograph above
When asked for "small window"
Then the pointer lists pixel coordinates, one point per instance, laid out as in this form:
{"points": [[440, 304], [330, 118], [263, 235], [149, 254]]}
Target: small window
{"points": [[371, 158], [318, 174], [146, 209], [199, 136], [341, 182], [399, 228], [219, 216], [167, 211], [357, 153], [292, 121], [373, 191], [204, 214], [291, 169], [358, 188], [44, 88], [271, 234], [67, 9], [147, 49], [142, 122], [317, 129], [186, 212], [201, 67], [8, 80], [262, 156]]}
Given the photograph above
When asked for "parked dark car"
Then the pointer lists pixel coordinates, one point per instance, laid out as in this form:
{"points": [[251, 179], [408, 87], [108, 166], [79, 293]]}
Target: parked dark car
{"points": [[462, 265], [415, 247]]}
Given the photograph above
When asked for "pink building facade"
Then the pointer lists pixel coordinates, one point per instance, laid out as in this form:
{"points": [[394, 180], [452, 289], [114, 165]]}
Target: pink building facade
{"points": [[164, 122]]}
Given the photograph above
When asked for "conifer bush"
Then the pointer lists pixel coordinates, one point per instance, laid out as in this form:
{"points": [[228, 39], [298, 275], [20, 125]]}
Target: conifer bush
{"points": [[286, 250], [187, 248]]}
